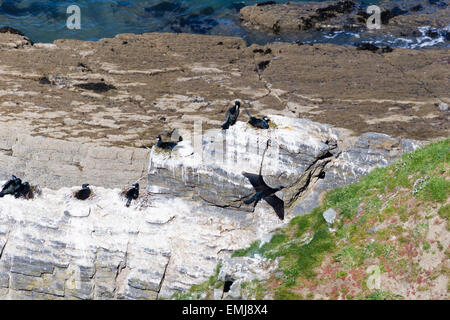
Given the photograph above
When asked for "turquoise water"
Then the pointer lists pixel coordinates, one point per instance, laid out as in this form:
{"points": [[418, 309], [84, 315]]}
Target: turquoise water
{"points": [[45, 21]]}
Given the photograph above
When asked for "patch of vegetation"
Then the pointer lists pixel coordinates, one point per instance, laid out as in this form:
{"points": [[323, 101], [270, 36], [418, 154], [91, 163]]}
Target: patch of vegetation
{"points": [[435, 189], [444, 212], [254, 247], [254, 289], [378, 222], [381, 295], [284, 293], [349, 257]]}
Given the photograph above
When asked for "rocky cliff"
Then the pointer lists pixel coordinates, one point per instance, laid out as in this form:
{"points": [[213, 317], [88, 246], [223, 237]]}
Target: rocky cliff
{"points": [[173, 237]]}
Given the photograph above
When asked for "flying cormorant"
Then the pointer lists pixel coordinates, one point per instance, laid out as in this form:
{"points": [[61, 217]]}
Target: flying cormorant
{"points": [[11, 186], [84, 193], [232, 115], [258, 123], [169, 145], [263, 191], [132, 194]]}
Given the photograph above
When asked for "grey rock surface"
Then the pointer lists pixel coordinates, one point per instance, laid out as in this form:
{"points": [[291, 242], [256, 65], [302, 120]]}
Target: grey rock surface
{"points": [[56, 163], [371, 150], [330, 215]]}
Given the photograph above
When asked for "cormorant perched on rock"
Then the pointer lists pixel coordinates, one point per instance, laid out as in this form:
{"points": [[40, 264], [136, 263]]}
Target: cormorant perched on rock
{"points": [[24, 191], [232, 115], [84, 193], [258, 123], [132, 194], [11, 186], [263, 191], [169, 145]]}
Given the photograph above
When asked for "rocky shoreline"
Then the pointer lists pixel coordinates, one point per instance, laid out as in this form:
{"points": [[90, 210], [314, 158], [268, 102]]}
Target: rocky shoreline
{"points": [[402, 20], [98, 92]]}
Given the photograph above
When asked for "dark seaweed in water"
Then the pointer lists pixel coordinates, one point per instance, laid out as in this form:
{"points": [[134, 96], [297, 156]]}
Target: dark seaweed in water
{"points": [[96, 86], [194, 23], [162, 8], [438, 3], [340, 7], [47, 8], [367, 46], [447, 36], [373, 48], [328, 12], [389, 14], [386, 49], [266, 3], [416, 8], [386, 15], [207, 11], [433, 34]]}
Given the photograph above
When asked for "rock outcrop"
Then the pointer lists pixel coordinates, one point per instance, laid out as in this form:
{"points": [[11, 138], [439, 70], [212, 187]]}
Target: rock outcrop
{"points": [[57, 247], [371, 150], [293, 153], [57, 163], [300, 16]]}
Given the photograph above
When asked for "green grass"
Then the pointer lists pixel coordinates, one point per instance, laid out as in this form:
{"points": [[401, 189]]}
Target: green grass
{"points": [[284, 293], [248, 251], [444, 212], [380, 295], [435, 189]]}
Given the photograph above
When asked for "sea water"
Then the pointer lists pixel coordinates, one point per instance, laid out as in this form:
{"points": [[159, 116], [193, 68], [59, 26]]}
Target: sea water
{"points": [[46, 21]]}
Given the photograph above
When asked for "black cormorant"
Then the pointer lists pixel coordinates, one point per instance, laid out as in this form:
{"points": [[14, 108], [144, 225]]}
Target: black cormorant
{"points": [[24, 191], [11, 186], [263, 191], [258, 123], [132, 194], [232, 115], [84, 193], [169, 145]]}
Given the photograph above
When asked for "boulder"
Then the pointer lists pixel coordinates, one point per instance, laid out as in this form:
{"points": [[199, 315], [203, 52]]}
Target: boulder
{"points": [[330, 216]]}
